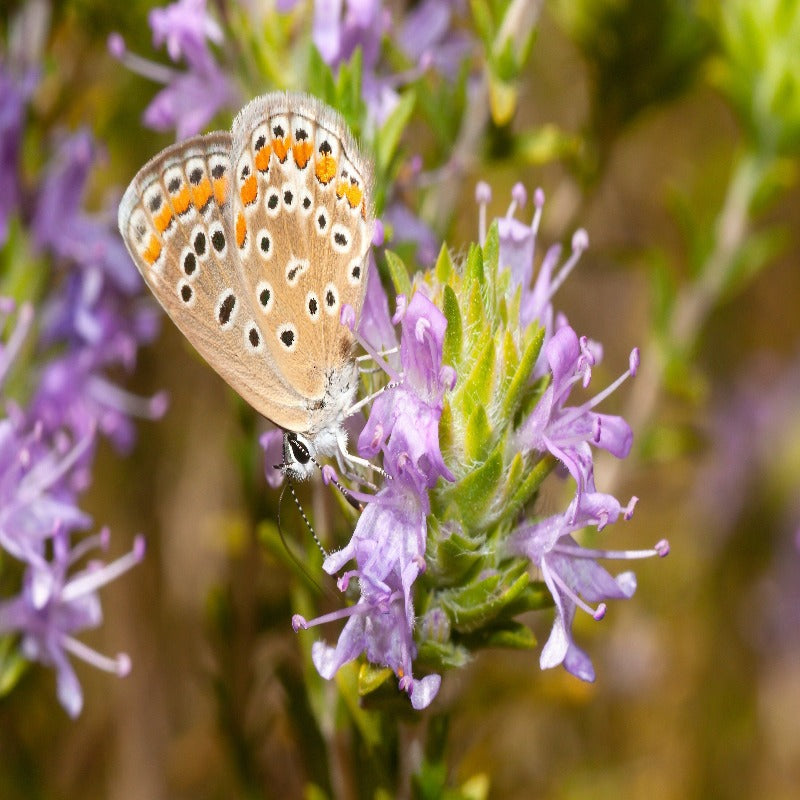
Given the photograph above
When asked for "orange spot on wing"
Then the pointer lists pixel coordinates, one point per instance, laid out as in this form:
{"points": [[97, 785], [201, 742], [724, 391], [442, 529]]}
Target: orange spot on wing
{"points": [[182, 200], [153, 250], [302, 153], [201, 194], [354, 195], [281, 147], [249, 190], [349, 190], [241, 230], [262, 158], [325, 169], [221, 190], [163, 219]]}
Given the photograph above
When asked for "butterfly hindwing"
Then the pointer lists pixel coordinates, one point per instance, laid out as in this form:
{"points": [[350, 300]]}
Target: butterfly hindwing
{"points": [[176, 220]]}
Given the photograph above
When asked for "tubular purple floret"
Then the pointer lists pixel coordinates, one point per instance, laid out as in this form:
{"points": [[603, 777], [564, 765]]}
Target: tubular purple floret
{"points": [[119, 665], [347, 317], [596, 613], [136, 63], [660, 549], [92, 579], [131, 405], [22, 326]]}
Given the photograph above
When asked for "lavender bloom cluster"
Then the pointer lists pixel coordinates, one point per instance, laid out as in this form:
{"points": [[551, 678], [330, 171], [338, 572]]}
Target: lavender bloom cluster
{"points": [[81, 323], [399, 538]]}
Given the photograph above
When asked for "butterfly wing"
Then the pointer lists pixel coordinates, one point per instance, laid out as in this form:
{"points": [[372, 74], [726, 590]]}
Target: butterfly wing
{"points": [[175, 218], [302, 223]]}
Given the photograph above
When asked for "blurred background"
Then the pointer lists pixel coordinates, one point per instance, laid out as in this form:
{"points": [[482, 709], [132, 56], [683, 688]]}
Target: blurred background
{"points": [[635, 119]]}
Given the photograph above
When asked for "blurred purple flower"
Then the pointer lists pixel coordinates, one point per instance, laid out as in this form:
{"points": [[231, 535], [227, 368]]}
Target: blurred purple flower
{"points": [[427, 36], [53, 606], [34, 499], [570, 432], [62, 226], [408, 227], [14, 95], [190, 99], [572, 574], [184, 26]]}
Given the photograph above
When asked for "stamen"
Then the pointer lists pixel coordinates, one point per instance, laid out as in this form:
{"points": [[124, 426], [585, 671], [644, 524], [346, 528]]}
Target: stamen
{"points": [[347, 317], [596, 613], [483, 196], [93, 579], [119, 665]]}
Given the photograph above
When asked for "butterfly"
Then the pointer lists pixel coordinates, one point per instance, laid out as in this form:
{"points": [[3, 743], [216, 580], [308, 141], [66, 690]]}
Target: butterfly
{"points": [[253, 241]]}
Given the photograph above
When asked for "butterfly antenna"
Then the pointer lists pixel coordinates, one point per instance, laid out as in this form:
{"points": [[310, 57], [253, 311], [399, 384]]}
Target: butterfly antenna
{"points": [[289, 552]]}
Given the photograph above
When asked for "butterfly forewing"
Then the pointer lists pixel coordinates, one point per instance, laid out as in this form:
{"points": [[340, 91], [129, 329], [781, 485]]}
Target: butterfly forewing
{"points": [[303, 226], [176, 220]]}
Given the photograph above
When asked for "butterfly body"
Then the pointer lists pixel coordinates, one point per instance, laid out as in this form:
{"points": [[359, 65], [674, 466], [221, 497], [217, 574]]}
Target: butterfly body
{"points": [[252, 241]]}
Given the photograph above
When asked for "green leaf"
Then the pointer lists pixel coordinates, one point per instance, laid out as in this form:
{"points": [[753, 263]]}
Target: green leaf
{"points": [[443, 655], [478, 439], [444, 265], [521, 379], [12, 664], [478, 603], [530, 485], [371, 678], [512, 635], [399, 274], [475, 492], [320, 78], [454, 333], [389, 136]]}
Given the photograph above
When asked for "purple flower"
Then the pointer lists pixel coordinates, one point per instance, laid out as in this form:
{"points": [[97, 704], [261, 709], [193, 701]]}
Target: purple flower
{"points": [[389, 542], [14, 95], [388, 546], [572, 574], [21, 327], [570, 432], [190, 99], [340, 26], [61, 226], [35, 498], [408, 227], [404, 421], [53, 606], [517, 253], [427, 35], [184, 26], [272, 444]]}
